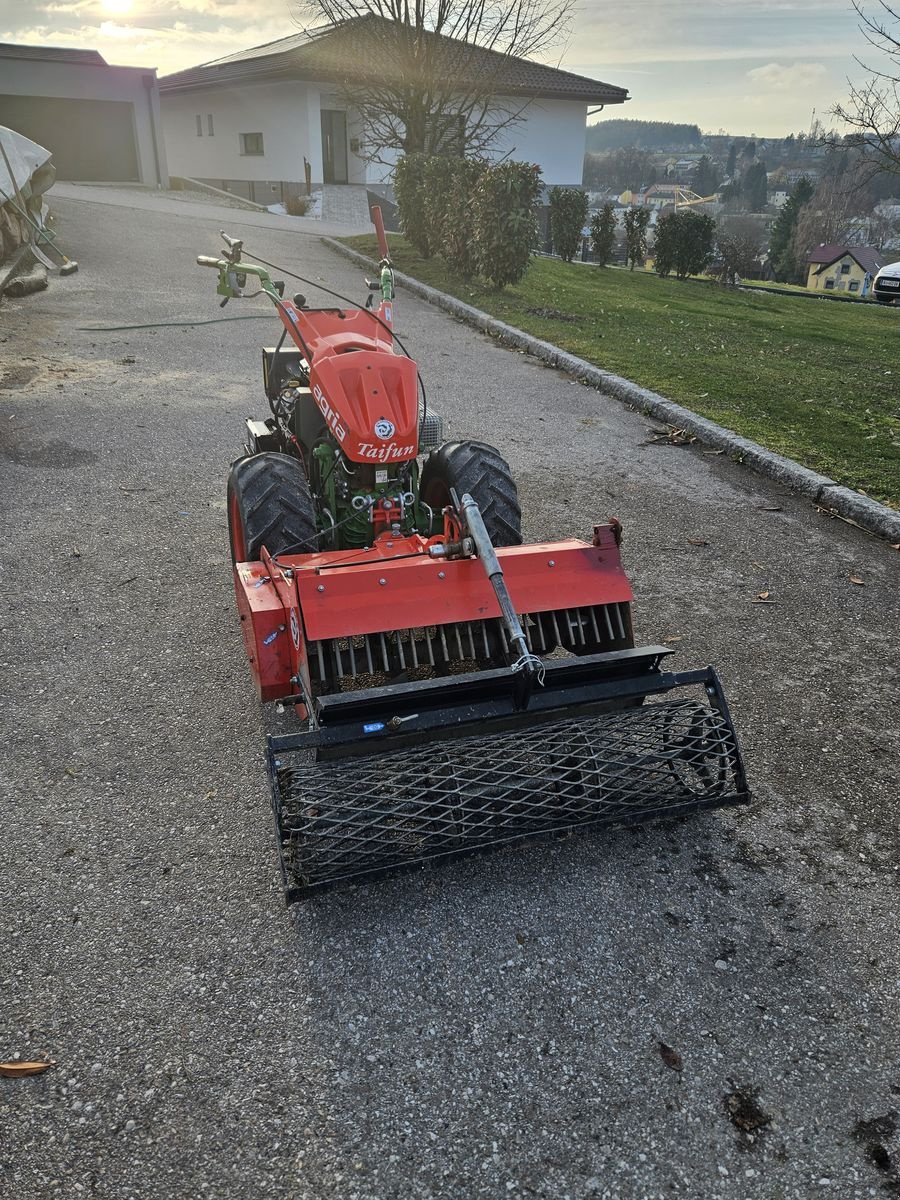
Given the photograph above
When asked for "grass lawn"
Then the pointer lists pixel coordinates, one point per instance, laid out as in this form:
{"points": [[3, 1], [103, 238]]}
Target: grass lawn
{"points": [[817, 382]]}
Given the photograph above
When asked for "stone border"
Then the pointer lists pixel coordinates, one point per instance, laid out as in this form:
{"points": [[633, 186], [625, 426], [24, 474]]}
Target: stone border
{"points": [[826, 493]]}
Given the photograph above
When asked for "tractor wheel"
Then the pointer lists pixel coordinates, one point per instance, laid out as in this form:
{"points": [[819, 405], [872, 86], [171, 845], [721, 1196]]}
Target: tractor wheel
{"points": [[480, 470], [270, 504]]}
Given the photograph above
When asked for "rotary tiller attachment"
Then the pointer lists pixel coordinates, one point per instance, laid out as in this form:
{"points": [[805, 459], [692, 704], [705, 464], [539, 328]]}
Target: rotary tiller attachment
{"points": [[589, 751]]}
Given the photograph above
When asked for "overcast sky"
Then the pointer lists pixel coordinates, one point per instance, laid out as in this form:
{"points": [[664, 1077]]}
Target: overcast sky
{"points": [[746, 66]]}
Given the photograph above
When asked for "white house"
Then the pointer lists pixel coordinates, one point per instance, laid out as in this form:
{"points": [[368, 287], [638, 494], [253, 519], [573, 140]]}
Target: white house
{"points": [[250, 122], [99, 122]]}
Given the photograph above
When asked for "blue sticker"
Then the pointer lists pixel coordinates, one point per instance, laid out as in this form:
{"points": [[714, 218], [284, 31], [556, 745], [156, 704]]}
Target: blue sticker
{"points": [[375, 727], [267, 641]]}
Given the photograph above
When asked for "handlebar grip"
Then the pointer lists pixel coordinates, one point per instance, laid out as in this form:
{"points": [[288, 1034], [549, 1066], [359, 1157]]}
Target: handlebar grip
{"points": [[204, 260]]}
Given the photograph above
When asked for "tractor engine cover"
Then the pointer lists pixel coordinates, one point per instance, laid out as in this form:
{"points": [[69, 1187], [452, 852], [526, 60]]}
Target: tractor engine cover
{"points": [[369, 400]]}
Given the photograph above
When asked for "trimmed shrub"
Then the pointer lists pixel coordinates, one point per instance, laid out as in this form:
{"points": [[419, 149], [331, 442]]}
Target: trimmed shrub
{"points": [[504, 220], [409, 188], [457, 246], [298, 206], [568, 213]]}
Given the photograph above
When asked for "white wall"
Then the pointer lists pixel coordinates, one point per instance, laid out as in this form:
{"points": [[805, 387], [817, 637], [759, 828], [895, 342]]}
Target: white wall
{"points": [[286, 114], [551, 133], [80, 81]]}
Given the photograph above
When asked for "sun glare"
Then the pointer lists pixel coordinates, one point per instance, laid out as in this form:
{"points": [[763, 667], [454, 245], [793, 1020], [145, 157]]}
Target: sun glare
{"points": [[118, 7]]}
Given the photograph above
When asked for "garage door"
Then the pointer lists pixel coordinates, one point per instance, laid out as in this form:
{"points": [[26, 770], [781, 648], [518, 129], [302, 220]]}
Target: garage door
{"points": [[89, 139]]}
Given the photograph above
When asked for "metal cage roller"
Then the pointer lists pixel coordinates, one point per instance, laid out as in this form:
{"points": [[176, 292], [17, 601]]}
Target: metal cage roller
{"points": [[372, 813]]}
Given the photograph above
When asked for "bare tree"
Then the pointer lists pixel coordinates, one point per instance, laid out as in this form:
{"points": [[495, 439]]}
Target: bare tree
{"points": [[739, 242], [872, 110], [430, 74], [835, 214]]}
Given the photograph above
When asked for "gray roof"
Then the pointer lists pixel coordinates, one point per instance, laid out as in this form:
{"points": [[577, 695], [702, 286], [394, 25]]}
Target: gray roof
{"points": [[66, 54], [344, 55]]}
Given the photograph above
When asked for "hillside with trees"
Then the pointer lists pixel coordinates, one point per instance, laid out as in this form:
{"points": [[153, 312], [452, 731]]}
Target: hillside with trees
{"points": [[644, 135]]}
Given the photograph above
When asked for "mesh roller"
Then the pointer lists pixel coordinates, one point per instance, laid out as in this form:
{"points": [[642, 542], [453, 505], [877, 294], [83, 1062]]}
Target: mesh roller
{"points": [[368, 814]]}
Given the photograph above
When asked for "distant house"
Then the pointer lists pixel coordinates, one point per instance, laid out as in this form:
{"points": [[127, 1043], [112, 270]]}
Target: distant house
{"points": [[247, 122], [100, 123], [658, 195], [833, 268]]}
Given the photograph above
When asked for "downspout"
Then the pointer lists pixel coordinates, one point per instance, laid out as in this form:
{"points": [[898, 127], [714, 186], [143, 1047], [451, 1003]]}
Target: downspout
{"points": [[149, 81]]}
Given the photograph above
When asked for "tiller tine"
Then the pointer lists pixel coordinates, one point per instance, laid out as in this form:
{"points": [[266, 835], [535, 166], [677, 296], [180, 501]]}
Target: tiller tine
{"points": [[398, 777]]}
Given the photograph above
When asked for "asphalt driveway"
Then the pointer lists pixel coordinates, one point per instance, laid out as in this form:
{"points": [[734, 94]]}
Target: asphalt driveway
{"points": [[489, 1030]]}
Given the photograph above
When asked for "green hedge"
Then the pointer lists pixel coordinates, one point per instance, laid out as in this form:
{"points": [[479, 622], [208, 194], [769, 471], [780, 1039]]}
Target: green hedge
{"points": [[479, 218]]}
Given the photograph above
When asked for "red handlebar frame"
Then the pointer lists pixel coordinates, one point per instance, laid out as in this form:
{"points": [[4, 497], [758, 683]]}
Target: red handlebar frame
{"points": [[378, 222]]}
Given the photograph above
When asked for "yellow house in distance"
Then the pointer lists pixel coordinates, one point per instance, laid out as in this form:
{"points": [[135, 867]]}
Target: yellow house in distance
{"points": [[848, 269]]}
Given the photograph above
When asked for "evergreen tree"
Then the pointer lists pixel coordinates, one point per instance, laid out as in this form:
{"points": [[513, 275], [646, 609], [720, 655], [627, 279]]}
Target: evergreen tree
{"points": [[754, 187], [706, 177], [684, 243], [568, 213], [781, 238], [603, 234], [731, 165], [636, 222]]}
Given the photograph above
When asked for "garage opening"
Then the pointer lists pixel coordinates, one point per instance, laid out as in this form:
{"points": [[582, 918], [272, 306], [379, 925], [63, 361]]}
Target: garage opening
{"points": [[89, 139]]}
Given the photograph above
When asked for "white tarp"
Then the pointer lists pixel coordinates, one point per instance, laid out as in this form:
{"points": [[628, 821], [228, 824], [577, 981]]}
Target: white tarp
{"points": [[25, 159]]}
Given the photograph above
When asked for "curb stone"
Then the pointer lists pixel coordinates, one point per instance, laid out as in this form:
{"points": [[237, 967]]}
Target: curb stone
{"points": [[824, 492]]}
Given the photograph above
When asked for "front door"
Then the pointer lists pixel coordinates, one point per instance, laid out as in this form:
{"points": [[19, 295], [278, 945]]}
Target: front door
{"points": [[334, 146]]}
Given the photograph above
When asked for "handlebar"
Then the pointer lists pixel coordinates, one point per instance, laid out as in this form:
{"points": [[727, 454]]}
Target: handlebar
{"points": [[204, 260]]}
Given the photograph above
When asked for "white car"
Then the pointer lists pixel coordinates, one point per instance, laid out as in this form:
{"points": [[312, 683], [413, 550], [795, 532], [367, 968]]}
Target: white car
{"points": [[886, 288]]}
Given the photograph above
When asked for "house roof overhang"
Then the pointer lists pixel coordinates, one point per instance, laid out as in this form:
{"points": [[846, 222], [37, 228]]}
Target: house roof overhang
{"points": [[343, 56]]}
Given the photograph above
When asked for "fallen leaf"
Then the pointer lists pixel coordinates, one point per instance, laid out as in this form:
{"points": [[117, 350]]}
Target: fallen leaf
{"points": [[895, 545], [856, 579], [76, 553], [769, 508], [670, 1057], [672, 638], [72, 772], [14, 1070], [697, 542], [762, 595]]}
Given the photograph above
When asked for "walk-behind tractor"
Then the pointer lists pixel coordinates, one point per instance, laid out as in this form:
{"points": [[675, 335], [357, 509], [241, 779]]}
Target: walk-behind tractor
{"points": [[458, 690]]}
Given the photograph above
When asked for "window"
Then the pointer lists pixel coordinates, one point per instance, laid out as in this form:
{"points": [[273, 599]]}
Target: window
{"points": [[252, 143], [854, 285], [199, 125], [829, 285], [445, 133], [845, 268], [209, 125]]}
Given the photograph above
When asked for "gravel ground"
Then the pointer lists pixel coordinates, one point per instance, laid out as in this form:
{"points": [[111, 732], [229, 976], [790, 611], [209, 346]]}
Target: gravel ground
{"points": [[491, 1029]]}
